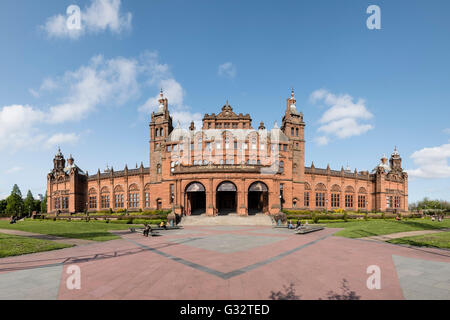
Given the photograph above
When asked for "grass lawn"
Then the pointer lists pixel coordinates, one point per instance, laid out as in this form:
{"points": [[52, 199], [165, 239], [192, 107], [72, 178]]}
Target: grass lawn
{"points": [[438, 240], [362, 228], [15, 245], [93, 230]]}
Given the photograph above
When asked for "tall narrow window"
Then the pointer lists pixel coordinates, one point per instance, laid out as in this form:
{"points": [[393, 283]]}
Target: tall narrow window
{"points": [[306, 199], [118, 201], [361, 201], [349, 201], [105, 201], [93, 202], [397, 202], [282, 166], [320, 199], [147, 199], [172, 193], [133, 200], [389, 203], [58, 203], [335, 200]]}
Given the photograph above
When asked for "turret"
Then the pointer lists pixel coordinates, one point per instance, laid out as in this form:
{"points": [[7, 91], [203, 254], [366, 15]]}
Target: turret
{"points": [[395, 161], [58, 161]]}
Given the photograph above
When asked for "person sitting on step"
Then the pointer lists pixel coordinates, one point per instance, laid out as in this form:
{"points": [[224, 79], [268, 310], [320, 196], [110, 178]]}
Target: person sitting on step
{"points": [[147, 230]]}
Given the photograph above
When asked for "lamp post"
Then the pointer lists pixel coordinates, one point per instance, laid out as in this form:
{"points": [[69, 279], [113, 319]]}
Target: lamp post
{"points": [[86, 210], [367, 207], [326, 202]]}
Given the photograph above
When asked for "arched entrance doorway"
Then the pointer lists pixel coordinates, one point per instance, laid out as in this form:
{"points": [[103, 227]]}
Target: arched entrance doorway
{"points": [[158, 204], [226, 198], [196, 199], [258, 198]]}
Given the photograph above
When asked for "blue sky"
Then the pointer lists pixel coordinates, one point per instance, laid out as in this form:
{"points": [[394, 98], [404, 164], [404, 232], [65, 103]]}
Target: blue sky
{"points": [[92, 92]]}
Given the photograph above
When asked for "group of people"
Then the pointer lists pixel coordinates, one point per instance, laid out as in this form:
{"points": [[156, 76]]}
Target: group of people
{"points": [[439, 218], [13, 219], [148, 228], [298, 226]]}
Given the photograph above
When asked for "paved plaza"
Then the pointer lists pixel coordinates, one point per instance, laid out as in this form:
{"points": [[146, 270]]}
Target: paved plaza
{"points": [[229, 262]]}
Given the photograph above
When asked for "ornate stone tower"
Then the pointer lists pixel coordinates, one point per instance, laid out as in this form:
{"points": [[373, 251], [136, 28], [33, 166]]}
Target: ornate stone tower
{"points": [[396, 161], [160, 128], [59, 162], [294, 128]]}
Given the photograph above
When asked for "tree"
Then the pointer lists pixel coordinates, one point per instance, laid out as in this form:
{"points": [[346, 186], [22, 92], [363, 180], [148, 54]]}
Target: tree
{"points": [[29, 203], [44, 204], [2, 206], [14, 203]]}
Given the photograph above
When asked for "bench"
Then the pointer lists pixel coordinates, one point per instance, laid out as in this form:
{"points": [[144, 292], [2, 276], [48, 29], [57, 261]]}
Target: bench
{"points": [[308, 229]]}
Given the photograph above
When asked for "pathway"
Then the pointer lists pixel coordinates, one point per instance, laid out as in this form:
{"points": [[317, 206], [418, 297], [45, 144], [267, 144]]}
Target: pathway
{"points": [[387, 237]]}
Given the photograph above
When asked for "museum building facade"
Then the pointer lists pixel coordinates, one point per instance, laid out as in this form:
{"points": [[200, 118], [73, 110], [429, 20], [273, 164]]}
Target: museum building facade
{"points": [[227, 166]]}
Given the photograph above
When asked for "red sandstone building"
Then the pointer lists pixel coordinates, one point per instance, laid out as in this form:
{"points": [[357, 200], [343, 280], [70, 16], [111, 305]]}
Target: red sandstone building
{"points": [[227, 167]]}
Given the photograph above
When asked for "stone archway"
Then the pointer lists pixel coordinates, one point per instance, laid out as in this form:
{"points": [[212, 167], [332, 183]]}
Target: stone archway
{"points": [[226, 198], [258, 198], [196, 198]]}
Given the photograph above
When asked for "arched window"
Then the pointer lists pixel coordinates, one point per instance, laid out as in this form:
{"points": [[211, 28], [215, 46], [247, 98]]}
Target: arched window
{"points": [[306, 194], [104, 194], [158, 168], [92, 198], [147, 196], [349, 196], [362, 198], [118, 197], [161, 132], [320, 195], [335, 196], [133, 196]]}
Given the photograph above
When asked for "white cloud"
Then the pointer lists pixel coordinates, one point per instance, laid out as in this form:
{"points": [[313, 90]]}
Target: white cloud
{"points": [[13, 170], [322, 140], [62, 138], [162, 78], [47, 85], [101, 15], [103, 81], [227, 70], [446, 130], [17, 126], [431, 162], [343, 117]]}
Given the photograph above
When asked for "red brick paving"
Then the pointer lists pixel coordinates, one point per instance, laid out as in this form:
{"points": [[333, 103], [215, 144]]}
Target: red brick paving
{"points": [[136, 273]]}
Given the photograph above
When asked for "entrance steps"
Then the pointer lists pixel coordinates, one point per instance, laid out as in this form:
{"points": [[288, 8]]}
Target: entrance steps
{"points": [[228, 220]]}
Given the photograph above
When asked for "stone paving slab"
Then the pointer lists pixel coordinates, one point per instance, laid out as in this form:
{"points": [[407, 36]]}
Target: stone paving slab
{"points": [[31, 284], [76, 242], [228, 243], [423, 279]]}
